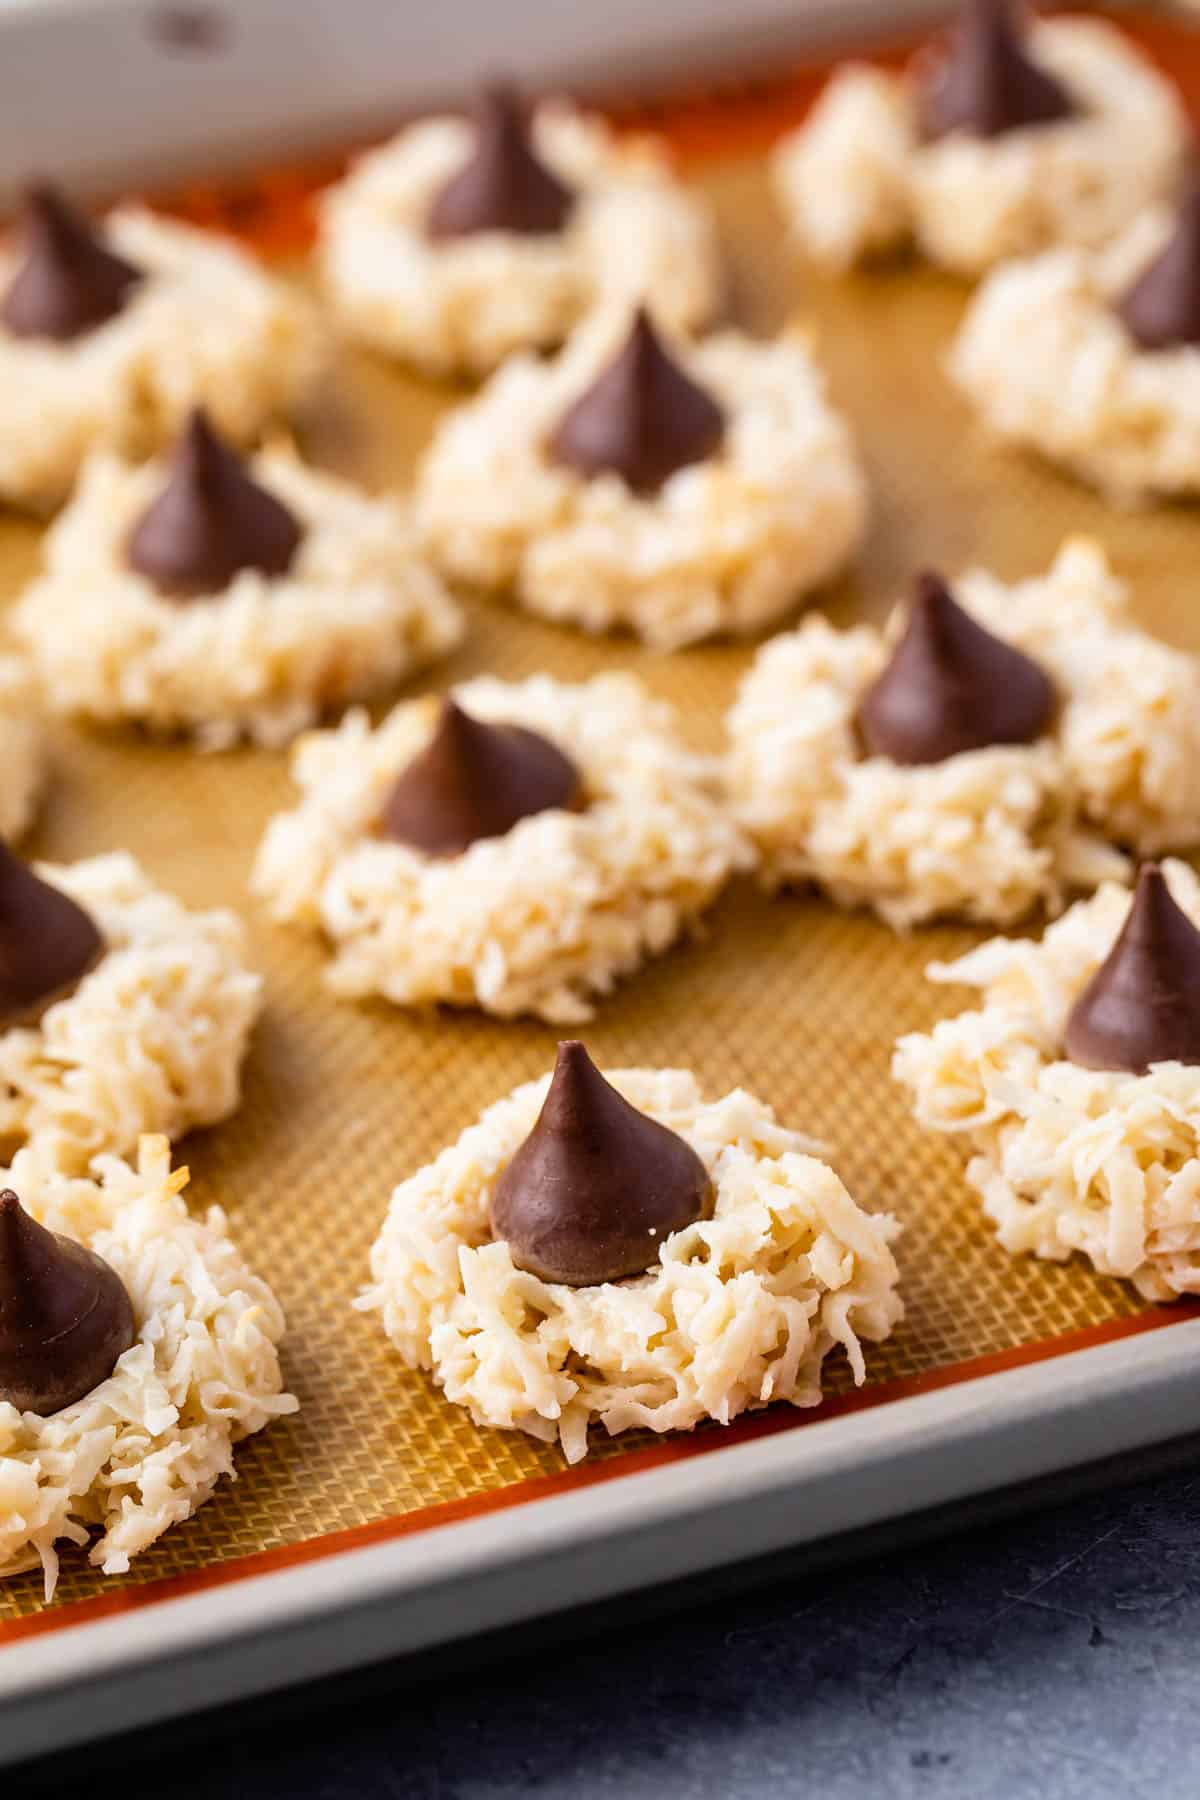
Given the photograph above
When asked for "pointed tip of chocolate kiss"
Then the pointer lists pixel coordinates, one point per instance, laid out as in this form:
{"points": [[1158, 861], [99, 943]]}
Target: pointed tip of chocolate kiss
{"points": [[504, 185], [474, 780], [65, 1315], [48, 943], [19, 1235], [642, 418], [1161, 311], [12, 1225], [597, 1186], [950, 686], [986, 83], [211, 521], [68, 282], [1142, 1005]]}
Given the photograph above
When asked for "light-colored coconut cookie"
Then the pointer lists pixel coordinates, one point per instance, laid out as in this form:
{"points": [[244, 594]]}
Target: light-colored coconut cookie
{"points": [[204, 325], [1065, 1156], [1049, 362], [22, 748], [737, 1309], [463, 301], [150, 1038], [355, 610], [148, 1445], [991, 832], [774, 506], [538, 918], [859, 177]]}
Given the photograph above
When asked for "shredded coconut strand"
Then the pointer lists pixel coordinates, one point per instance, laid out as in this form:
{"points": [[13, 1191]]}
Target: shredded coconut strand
{"points": [[741, 1310], [989, 834], [358, 611], [151, 1040], [144, 1449], [464, 305], [537, 920], [1065, 1159], [855, 179], [1047, 363], [205, 326], [726, 545]]}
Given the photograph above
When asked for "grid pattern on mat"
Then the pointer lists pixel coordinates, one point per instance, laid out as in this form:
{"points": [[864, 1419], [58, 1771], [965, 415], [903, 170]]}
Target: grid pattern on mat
{"points": [[787, 997]]}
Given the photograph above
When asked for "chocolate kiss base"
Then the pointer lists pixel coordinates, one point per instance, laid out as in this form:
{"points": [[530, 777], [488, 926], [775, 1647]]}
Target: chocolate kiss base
{"points": [[65, 1317], [1142, 1006], [47, 942], [475, 781], [950, 686], [1162, 308], [597, 1186], [642, 418], [986, 84], [69, 283], [210, 522], [504, 185]]}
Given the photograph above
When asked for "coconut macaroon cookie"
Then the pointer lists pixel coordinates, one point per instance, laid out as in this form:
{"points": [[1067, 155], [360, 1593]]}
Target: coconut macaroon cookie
{"points": [[109, 336], [621, 1251], [136, 1348], [982, 757], [1012, 137], [674, 490], [227, 600], [120, 1011], [1075, 1085], [463, 241], [518, 847], [1093, 358]]}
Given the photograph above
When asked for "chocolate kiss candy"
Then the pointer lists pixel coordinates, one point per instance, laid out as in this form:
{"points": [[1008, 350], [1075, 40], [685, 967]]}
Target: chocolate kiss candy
{"points": [[1142, 1005], [987, 84], [1162, 308], [68, 283], [210, 521], [642, 418], [951, 686], [503, 186], [65, 1317], [475, 781], [47, 942], [596, 1186]]}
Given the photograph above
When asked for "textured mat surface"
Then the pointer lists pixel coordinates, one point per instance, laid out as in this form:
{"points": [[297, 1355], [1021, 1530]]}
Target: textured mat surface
{"points": [[787, 997]]}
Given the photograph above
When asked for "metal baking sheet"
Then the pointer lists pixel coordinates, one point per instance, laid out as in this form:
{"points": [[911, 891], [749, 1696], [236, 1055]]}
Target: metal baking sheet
{"points": [[381, 1507], [175, 84]]}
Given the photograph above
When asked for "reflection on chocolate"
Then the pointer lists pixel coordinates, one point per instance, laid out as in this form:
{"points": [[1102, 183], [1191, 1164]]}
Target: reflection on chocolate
{"points": [[1162, 308], [642, 418], [1142, 1005], [951, 686], [210, 521], [47, 942], [68, 282], [503, 186], [985, 83], [597, 1186], [65, 1316], [475, 781]]}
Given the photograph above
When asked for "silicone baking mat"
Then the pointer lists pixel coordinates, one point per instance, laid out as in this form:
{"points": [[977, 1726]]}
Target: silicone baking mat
{"points": [[788, 997]]}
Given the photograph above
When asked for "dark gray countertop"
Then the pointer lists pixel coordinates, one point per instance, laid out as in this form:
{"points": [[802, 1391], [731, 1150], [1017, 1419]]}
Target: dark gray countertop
{"points": [[1055, 1657]]}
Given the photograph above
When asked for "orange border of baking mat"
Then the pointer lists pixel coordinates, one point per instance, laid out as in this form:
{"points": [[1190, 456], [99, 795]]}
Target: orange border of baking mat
{"points": [[274, 211], [541, 1487]]}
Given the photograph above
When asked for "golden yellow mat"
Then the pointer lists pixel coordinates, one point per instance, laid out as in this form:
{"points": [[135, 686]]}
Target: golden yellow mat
{"points": [[788, 997]]}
